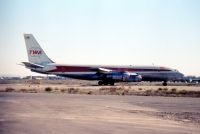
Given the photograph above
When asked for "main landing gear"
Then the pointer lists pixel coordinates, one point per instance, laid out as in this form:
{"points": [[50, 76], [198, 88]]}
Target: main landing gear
{"points": [[165, 83], [106, 83], [100, 83]]}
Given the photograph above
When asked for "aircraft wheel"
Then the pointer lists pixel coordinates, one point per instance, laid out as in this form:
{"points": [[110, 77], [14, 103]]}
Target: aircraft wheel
{"points": [[112, 83], [105, 83], [164, 83], [100, 83]]}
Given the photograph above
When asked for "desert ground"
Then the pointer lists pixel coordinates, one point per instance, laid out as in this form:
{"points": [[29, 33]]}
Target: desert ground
{"points": [[78, 107], [90, 87]]}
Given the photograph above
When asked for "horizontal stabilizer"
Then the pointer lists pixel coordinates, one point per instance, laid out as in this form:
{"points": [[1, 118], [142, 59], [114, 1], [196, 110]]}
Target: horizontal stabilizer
{"points": [[32, 65]]}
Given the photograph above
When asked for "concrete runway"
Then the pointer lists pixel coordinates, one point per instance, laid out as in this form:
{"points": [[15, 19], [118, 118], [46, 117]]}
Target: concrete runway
{"points": [[42, 113]]}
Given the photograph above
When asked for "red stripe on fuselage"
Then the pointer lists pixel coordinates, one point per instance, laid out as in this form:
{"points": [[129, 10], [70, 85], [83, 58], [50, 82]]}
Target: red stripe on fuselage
{"points": [[87, 69], [70, 69]]}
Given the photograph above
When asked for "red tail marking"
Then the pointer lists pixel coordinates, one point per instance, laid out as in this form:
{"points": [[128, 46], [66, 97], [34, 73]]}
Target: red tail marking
{"points": [[35, 52]]}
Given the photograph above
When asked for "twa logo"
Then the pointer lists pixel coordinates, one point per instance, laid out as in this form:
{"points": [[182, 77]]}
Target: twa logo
{"points": [[35, 52]]}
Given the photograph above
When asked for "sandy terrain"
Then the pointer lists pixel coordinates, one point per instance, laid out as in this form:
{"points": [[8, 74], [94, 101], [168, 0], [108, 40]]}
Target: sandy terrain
{"points": [[93, 87], [88, 114], [83, 107], [72, 87]]}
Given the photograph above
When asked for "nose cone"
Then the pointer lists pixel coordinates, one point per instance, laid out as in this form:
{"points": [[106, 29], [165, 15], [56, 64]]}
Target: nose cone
{"points": [[179, 76]]}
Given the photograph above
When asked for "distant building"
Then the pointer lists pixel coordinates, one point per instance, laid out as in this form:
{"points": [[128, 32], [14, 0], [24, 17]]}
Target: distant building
{"points": [[11, 78], [44, 78]]}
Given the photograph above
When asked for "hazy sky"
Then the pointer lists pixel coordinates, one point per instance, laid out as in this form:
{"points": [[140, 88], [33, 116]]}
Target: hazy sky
{"points": [[117, 32]]}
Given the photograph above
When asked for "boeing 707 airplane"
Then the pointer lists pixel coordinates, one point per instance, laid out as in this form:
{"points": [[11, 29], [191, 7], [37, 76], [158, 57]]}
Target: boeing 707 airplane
{"points": [[106, 75]]}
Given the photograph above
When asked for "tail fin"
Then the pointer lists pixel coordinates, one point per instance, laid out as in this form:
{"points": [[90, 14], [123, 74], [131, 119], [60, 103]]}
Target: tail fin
{"points": [[35, 52]]}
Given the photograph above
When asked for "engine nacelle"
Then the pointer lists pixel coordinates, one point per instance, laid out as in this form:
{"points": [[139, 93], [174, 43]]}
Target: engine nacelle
{"points": [[124, 77]]}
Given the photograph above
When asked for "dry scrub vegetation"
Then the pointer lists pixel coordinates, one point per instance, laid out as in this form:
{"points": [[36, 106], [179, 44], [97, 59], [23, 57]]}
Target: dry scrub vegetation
{"points": [[173, 92], [168, 92]]}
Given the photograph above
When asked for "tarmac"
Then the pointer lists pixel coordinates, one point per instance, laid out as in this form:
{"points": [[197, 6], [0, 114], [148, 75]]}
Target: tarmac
{"points": [[42, 113]]}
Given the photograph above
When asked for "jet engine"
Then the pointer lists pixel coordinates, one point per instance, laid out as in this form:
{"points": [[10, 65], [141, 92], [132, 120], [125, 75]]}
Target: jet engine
{"points": [[124, 77]]}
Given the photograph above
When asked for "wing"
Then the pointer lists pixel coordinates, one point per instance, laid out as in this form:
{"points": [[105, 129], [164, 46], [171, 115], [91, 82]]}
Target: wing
{"points": [[101, 70]]}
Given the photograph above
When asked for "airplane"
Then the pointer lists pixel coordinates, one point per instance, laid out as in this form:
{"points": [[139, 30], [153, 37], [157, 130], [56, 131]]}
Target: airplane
{"points": [[106, 75]]}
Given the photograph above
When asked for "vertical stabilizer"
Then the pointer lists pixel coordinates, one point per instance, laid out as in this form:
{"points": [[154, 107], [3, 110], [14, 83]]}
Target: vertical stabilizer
{"points": [[35, 52]]}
